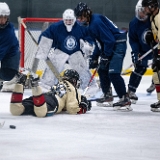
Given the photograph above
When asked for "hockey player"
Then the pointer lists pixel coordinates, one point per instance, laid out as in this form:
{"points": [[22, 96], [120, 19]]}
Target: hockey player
{"points": [[152, 9], [113, 44], [9, 46], [140, 37], [62, 97]]}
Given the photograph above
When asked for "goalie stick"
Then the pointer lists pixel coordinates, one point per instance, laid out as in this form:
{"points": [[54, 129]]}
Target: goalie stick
{"points": [[144, 55]]}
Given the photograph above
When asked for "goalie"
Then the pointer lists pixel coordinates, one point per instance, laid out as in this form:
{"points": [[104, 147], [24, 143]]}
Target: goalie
{"points": [[62, 97], [72, 45]]}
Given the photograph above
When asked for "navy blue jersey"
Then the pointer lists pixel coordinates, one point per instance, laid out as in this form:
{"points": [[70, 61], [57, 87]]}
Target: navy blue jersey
{"points": [[105, 31], [8, 41], [67, 42], [137, 29]]}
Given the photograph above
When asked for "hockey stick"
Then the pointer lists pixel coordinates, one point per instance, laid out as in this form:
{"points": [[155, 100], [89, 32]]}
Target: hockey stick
{"points": [[144, 55], [91, 79]]}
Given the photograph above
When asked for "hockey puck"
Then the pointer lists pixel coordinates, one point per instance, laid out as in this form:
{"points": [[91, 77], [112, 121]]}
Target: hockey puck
{"points": [[12, 127]]}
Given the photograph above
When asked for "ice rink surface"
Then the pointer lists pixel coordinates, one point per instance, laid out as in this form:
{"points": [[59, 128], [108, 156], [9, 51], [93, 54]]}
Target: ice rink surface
{"points": [[101, 134]]}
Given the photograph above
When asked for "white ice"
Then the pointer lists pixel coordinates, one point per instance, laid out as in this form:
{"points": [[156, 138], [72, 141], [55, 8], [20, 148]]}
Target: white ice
{"points": [[101, 134]]}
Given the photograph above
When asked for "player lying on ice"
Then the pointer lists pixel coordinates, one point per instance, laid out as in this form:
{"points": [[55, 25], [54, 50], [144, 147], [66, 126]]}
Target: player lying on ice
{"points": [[62, 97]]}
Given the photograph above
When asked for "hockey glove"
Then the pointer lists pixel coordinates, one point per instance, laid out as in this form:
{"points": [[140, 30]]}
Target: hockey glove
{"points": [[84, 105], [93, 63], [135, 60], [148, 37], [104, 62], [156, 62]]}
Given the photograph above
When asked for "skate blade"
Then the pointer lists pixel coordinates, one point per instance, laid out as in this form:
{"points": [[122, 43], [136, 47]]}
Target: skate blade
{"points": [[2, 124], [105, 104], [124, 108], [155, 110]]}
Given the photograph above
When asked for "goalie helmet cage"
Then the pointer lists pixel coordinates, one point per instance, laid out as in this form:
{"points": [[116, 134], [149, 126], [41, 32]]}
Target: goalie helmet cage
{"points": [[27, 46]]}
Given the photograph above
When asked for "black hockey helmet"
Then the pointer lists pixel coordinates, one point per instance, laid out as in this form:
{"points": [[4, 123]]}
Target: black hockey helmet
{"points": [[72, 76], [150, 3], [80, 9]]}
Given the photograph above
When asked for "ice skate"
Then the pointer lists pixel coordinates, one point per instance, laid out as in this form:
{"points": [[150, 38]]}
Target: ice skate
{"points": [[123, 104], [155, 107], [21, 78], [34, 81], [106, 100], [151, 88], [132, 97]]}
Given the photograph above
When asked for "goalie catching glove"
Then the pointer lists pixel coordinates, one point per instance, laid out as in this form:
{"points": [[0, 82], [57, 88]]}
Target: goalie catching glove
{"points": [[84, 105]]}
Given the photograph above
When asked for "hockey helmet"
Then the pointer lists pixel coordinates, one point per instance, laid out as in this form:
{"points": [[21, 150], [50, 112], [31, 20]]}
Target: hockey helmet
{"points": [[139, 11], [150, 3], [81, 7], [82, 10], [72, 76], [4, 9], [69, 19]]}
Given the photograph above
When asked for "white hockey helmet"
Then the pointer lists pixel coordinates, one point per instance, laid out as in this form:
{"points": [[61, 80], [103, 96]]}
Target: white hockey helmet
{"points": [[139, 11], [4, 9], [69, 19]]}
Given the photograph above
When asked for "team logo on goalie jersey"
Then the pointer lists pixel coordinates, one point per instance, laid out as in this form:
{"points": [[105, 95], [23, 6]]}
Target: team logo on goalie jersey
{"points": [[70, 43]]}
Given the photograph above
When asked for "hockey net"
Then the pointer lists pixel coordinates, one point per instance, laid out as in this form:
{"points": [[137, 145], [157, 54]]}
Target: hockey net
{"points": [[28, 47]]}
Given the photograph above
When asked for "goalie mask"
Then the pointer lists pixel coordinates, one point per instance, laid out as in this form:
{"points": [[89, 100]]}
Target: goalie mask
{"points": [[72, 76], [139, 11], [69, 19], [83, 13], [4, 14]]}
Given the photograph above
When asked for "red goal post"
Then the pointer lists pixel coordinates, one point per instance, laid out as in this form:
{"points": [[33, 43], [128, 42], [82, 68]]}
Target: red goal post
{"points": [[27, 45]]}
